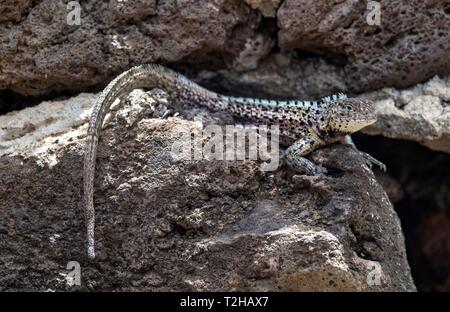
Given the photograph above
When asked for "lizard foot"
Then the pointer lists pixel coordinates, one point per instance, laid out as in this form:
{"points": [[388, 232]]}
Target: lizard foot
{"points": [[305, 166], [318, 169], [370, 160], [296, 152]]}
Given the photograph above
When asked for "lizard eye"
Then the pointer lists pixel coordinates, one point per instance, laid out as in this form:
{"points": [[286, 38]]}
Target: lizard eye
{"points": [[349, 107]]}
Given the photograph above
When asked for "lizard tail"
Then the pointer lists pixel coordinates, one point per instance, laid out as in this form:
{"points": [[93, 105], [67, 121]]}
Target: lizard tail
{"points": [[139, 76], [142, 76], [88, 181]]}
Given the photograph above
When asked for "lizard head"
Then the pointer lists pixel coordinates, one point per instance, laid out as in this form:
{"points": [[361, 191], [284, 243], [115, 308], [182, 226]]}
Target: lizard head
{"points": [[350, 114]]}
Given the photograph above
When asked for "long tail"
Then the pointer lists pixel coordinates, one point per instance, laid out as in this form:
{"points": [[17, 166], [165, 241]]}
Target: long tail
{"points": [[142, 76], [115, 89]]}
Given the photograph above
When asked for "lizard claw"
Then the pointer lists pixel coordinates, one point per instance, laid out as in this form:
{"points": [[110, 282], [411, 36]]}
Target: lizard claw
{"points": [[314, 170], [320, 169], [370, 160]]}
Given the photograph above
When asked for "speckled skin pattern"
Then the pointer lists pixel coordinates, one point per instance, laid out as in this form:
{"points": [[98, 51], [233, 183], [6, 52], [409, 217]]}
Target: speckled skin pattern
{"points": [[304, 125]]}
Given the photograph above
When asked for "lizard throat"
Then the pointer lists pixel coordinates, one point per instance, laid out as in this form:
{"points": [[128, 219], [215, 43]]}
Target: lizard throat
{"points": [[356, 125]]}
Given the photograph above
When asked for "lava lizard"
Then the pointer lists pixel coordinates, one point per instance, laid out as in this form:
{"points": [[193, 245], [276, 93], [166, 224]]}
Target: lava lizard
{"points": [[304, 125]]}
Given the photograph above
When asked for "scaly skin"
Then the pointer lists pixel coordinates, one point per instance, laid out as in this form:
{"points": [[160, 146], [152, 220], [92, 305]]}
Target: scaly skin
{"points": [[304, 125]]}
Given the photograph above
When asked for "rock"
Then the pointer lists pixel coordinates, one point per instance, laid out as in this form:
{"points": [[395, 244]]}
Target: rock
{"points": [[418, 182], [391, 186], [267, 7], [280, 75], [44, 53], [13, 10], [186, 225], [420, 113], [33, 124], [424, 210], [410, 44]]}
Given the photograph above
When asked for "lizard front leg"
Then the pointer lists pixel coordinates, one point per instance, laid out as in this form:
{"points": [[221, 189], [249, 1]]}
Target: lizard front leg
{"points": [[302, 147], [369, 158]]}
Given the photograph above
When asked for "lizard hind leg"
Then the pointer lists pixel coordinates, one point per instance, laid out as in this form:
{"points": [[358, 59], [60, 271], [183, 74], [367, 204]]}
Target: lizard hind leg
{"points": [[296, 152]]}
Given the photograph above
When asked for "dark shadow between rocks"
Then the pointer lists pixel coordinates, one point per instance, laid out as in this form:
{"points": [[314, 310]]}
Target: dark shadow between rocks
{"points": [[418, 183]]}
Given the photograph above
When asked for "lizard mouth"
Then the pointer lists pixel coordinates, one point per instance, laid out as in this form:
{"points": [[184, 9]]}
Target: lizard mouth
{"points": [[357, 125], [366, 122], [369, 121]]}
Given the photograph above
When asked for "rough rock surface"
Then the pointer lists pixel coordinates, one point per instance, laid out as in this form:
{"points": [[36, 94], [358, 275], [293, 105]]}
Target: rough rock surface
{"points": [[277, 76], [421, 113], [40, 52], [418, 182], [12, 10], [267, 7], [43, 53], [411, 43], [193, 225]]}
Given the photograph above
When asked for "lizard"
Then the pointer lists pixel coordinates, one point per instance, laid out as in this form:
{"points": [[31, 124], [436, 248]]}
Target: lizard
{"points": [[304, 125]]}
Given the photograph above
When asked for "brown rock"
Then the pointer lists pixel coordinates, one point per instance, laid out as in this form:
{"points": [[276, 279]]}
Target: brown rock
{"points": [[12, 10], [411, 44], [392, 187], [267, 7], [420, 113], [280, 75], [41, 53], [44, 53], [189, 225]]}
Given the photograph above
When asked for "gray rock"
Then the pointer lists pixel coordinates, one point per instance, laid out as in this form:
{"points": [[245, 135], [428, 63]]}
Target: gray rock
{"points": [[43, 53], [420, 113], [280, 75], [187, 225], [267, 7], [40, 52], [410, 44], [13, 10]]}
